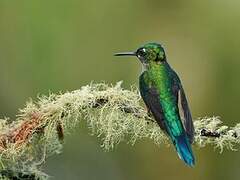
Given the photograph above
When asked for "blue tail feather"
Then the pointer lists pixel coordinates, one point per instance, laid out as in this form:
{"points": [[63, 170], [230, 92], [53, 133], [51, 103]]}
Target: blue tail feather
{"points": [[184, 150]]}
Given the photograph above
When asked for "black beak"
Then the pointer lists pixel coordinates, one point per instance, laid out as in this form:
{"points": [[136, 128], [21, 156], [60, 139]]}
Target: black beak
{"points": [[125, 54]]}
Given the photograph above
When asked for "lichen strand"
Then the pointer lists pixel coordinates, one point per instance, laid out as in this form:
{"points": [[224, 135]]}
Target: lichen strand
{"points": [[219, 135], [111, 112]]}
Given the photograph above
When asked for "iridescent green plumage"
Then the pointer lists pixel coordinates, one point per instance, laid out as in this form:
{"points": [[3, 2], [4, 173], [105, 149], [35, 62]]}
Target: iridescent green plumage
{"points": [[161, 91]]}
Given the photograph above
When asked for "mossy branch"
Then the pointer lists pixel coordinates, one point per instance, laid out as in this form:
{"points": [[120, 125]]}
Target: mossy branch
{"points": [[111, 112]]}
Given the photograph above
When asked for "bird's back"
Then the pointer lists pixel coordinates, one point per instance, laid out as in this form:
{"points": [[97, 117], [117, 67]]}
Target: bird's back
{"points": [[159, 89], [162, 78]]}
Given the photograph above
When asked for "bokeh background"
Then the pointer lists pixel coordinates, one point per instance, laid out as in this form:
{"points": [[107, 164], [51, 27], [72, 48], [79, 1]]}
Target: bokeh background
{"points": [[61, 45]]}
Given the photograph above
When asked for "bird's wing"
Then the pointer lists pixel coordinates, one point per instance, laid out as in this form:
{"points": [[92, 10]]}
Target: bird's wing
{"points": [[183, 107], [151, 98], [188, 123]]}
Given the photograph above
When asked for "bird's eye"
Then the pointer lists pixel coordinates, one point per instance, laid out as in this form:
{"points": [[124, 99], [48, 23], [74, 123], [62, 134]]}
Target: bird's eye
{"points": [[141, 52]]}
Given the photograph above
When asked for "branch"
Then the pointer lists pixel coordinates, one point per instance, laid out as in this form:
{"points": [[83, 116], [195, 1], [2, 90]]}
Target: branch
{"points": [[111, 112]]}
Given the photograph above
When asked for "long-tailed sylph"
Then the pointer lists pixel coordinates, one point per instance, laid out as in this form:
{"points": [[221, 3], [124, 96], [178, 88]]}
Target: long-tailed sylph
{"points": [[163, 94]]}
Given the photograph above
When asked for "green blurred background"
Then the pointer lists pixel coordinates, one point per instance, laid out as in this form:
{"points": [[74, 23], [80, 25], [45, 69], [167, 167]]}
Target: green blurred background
{"points": [[61, 45]]}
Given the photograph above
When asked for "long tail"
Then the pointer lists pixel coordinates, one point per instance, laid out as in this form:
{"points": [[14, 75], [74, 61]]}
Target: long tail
{"points": [[184, 150]]}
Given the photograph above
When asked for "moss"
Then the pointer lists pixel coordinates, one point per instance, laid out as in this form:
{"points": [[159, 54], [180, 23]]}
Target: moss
{"points": [[112, 114]]}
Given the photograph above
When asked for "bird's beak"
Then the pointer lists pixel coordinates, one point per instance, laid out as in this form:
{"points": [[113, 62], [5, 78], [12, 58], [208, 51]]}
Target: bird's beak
{"points": [[125, 54]]}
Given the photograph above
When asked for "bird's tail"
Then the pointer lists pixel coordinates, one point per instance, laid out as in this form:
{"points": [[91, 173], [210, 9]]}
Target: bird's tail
{"points": [[184, 150]]}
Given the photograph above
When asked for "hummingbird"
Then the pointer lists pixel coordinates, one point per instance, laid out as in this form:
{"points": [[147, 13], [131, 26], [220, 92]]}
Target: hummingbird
{"points": [[163, 93]]}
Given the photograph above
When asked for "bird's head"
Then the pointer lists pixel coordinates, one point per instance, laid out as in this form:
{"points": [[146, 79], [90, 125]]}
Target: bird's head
{"points": [[150, 53]]}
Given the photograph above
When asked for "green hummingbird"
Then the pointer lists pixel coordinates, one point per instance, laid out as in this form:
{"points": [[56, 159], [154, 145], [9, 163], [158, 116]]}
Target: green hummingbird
{"points": [[163, 94]]}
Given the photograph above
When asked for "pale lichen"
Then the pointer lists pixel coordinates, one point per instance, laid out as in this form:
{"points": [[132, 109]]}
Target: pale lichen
{"points": [[112, 114]]}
